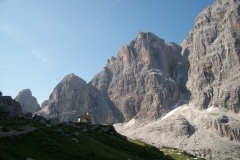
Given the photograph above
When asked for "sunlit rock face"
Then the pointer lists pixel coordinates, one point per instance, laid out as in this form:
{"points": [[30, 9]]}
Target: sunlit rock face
{"points": [[210, 134], [28, 102], [145, 79], [209, 125], [149, 78], [73, 97], [212, 53]]}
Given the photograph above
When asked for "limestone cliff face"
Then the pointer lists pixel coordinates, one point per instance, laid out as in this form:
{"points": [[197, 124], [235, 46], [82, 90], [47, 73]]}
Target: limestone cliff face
{"points": [[212, 53], [28, 102], [209, 126], [73, 97], [148, 78], [145, 79]]}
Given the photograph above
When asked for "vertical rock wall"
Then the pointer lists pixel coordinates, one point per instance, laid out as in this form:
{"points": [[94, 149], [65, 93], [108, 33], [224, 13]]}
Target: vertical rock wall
{"points": [[212, 49], [143, 80]]}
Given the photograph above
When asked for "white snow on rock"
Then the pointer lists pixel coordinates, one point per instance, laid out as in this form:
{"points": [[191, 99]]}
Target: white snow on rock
{"points": [[130, 123], [213, 109], [158, 71], [171, 113]]}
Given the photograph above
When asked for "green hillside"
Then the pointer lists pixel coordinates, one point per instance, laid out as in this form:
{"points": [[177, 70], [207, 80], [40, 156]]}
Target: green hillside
{"points": [[70, 141]]}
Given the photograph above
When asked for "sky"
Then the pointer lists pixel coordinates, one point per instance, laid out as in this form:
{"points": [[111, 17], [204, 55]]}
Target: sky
{"points": [[42, 41]]}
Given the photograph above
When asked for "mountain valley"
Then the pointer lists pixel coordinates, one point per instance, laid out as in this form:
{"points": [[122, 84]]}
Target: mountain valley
{"points": [[183, 96]]}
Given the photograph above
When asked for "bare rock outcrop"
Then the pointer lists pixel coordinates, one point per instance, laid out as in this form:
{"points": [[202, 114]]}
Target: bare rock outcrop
{"points": [[54, 121], [10, 107], [223, 126], [210, 134], [212, 53], [28, 102], [73, 97], [145, 79], [38, 118], [209, 126]]}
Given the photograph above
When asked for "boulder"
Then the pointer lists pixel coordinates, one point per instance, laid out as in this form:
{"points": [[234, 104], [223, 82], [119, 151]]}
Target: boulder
{"points": [[28, 115], [75, 140], [54, 121], [38, 118]]}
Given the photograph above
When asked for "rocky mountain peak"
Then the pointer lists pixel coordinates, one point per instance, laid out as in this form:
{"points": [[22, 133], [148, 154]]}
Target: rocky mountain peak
{"points": [[72, 78], [142, 36], [70, 82], [28, 102], [143, 75], [142, 49], [26, 92], [73, 97], [212, 50], [209, 125]]}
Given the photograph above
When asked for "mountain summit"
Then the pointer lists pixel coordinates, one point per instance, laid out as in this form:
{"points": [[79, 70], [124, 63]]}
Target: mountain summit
{"points": [[143, 81], [73, 97], [28, 102]]}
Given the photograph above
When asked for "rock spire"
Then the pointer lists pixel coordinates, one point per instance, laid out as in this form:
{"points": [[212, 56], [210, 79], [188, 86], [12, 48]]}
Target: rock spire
{"points": [[28, 102]]}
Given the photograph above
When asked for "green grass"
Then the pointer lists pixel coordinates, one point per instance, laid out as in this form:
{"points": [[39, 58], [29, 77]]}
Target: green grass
{"points": [[95, 142], [177, 154]]}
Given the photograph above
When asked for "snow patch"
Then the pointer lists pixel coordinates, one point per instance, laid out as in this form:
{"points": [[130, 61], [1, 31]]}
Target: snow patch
{"points": [[171, 113], [130, 123], [213, 109], [158, 71], [170, 79], [155, 71]]}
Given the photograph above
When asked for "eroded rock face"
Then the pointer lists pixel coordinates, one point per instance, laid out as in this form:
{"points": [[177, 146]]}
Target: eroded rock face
{"points": [[28, 102], [145, 79], [211, 133], [212, 53], [224, 126], [178, 126], [73, 97], [10, 107], [209, 126]]}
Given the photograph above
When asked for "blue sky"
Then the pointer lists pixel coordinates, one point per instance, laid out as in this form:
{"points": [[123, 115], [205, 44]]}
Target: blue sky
{"points": [[41, 41]]}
